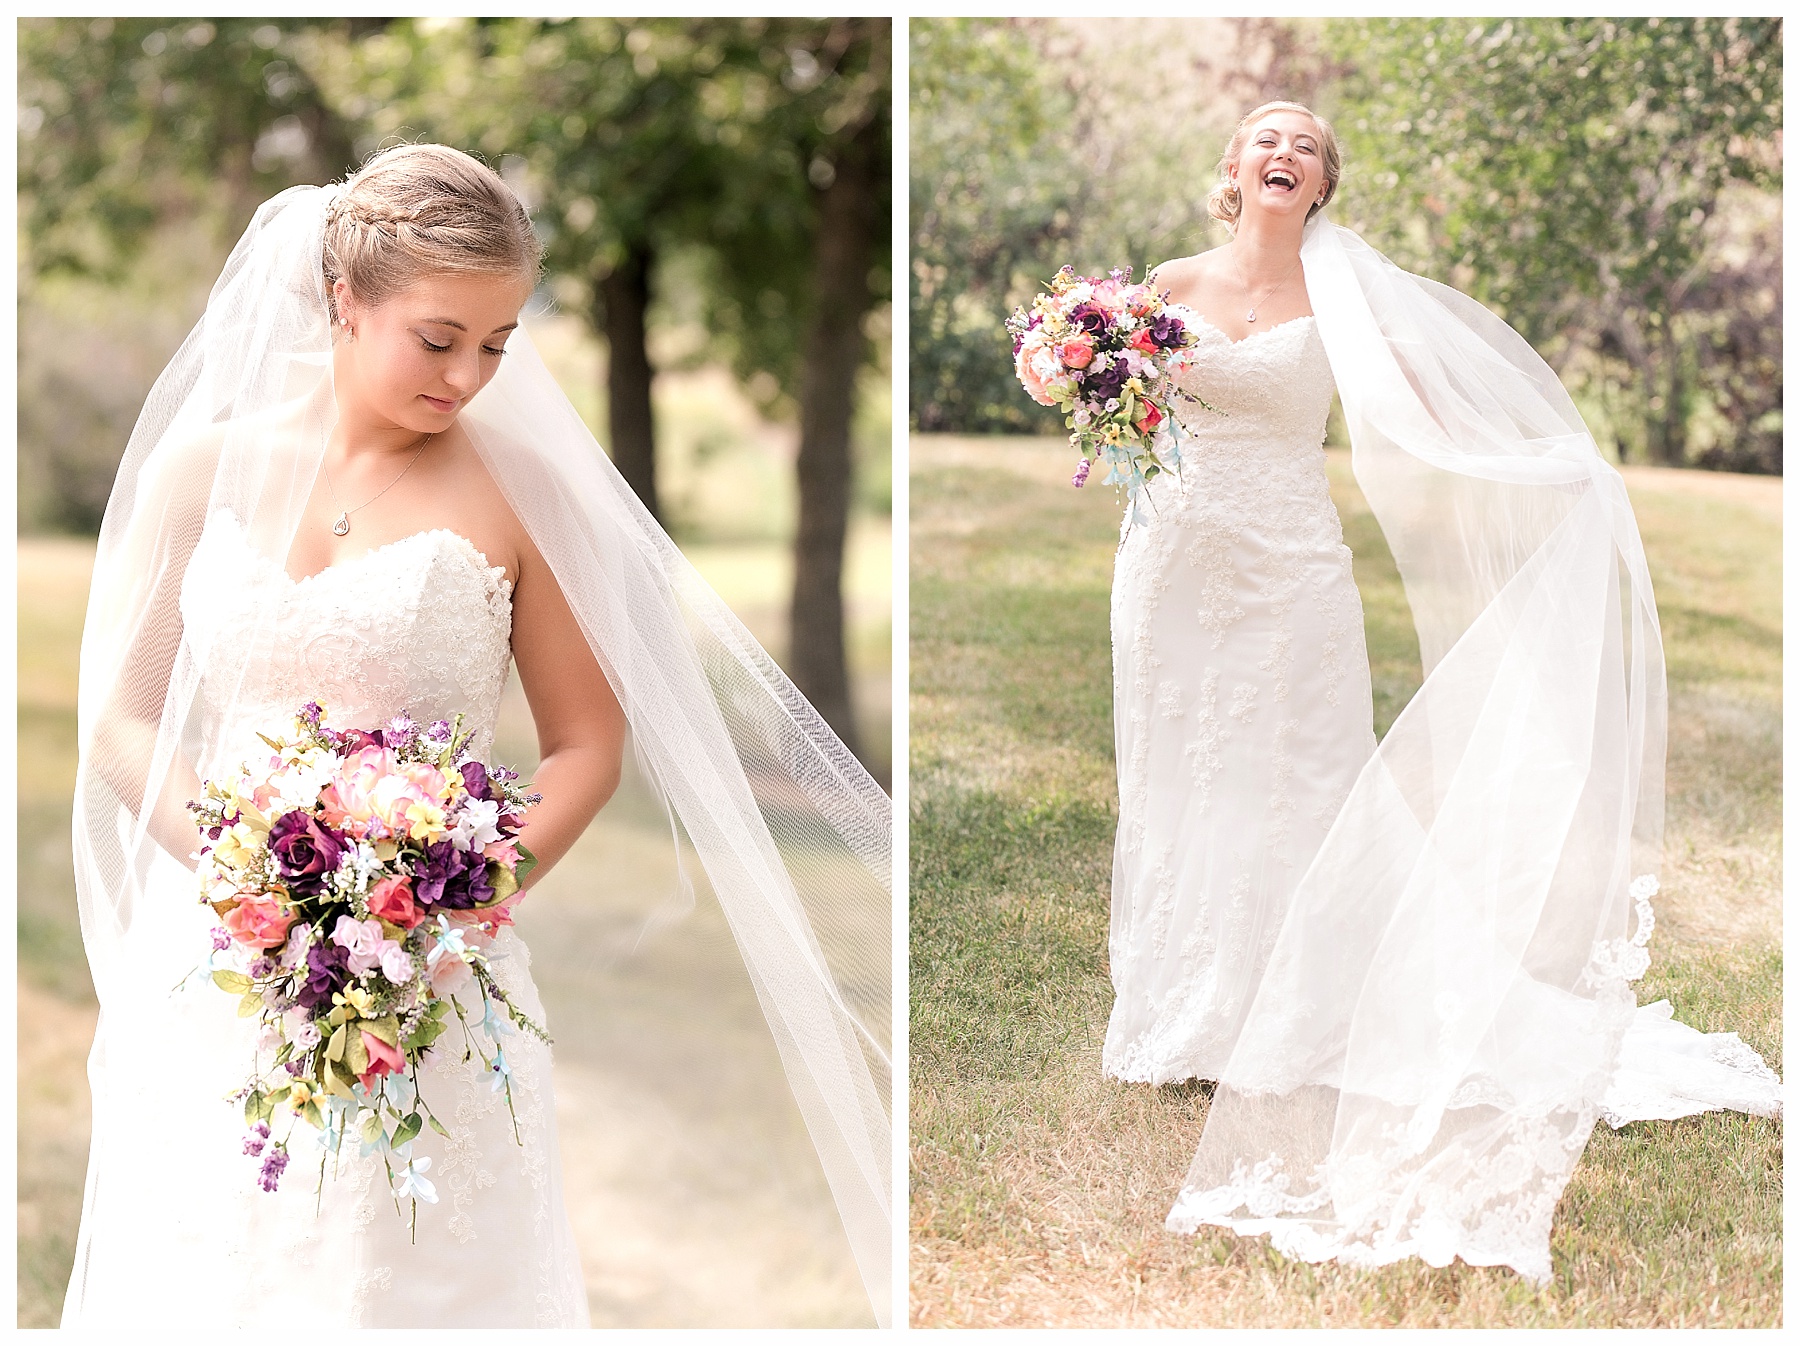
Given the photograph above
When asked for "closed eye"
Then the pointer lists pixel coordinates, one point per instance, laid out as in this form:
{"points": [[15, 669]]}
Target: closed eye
{"points": [[432, 346]]}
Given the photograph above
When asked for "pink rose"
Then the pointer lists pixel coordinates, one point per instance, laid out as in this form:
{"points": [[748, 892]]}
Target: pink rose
{"points": [[447, 973], [1029, 367], [349, 800], [258, 923], [383, 1059], [503, 851], [391, 900], [1150, 419], [1143, 341], [1077, 352]]}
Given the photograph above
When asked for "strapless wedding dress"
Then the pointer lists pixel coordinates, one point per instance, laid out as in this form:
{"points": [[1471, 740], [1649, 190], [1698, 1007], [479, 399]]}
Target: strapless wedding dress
{"points": [[1243, 714], [176, 1231], [1241, 696]]}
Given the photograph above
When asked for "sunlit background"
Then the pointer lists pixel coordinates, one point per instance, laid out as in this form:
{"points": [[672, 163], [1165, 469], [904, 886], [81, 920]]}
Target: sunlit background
{"points": [[689, 167]]}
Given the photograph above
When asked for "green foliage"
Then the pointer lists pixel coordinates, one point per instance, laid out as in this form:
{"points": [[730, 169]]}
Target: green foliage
{"points": [[1570, 173], [125, 122], [651, 134]]}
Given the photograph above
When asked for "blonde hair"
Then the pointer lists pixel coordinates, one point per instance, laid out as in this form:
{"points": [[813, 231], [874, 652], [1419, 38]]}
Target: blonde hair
{"points": [[1226, 203], [415, 210]]}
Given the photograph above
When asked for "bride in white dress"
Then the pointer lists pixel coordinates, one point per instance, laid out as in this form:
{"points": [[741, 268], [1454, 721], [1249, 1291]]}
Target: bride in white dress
{"points": [[1405, 967], [311, 509]]}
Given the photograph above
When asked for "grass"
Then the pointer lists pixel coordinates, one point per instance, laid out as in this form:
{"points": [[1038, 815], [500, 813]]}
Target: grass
{"points": [[1038, 1188], [687, 1171]]}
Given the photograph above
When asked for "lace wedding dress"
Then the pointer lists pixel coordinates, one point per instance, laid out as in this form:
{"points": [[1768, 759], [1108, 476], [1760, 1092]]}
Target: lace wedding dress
{"points": [[1242, 705], [1243, 716], [177, 1230]]}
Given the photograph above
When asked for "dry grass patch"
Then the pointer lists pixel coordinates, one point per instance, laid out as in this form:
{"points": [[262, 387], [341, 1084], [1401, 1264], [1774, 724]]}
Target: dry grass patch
{"points": [[1038, 1188]]}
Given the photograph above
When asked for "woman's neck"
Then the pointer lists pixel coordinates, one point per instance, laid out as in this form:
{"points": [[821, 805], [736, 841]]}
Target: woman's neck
{"points": [[1266, 246]]}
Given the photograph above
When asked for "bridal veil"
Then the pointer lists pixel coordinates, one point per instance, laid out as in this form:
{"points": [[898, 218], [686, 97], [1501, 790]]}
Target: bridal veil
{"points": [[1444, 1009], [792, 834]]}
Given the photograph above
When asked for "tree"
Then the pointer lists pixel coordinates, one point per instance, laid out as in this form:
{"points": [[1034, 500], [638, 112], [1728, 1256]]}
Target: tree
{"points": [[1570, 173], [128, 123]]}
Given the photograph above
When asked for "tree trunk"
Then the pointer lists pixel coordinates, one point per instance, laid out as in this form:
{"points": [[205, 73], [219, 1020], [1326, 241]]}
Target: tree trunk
{"points": [[621, 298], [833, 353]]}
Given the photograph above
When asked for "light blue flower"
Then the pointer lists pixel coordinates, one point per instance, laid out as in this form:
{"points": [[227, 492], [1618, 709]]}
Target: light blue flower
{"points": [[413, 1182], [495, 1025], [500, 1070]]}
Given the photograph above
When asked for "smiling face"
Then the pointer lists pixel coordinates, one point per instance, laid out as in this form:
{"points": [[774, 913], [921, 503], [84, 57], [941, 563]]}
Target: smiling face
{"points": [[417, 357], [1281, 168]]}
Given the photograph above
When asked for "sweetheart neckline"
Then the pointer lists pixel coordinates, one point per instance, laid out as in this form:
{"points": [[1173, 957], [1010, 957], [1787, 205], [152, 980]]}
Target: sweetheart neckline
{"points": [[468, 548], [472, 549], [1220, 332]]}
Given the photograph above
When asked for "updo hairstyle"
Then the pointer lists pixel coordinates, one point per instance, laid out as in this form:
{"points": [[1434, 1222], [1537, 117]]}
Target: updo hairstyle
{"points": [[1226, 203], [419, 210]]}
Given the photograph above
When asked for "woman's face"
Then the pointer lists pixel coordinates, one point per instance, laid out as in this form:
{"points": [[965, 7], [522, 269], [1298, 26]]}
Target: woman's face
{"points": [[419, 356], [1280, 169]]}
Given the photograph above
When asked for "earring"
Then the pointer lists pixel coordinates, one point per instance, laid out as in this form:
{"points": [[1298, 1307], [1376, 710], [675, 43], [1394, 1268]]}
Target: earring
{"points": [[349, 331]]}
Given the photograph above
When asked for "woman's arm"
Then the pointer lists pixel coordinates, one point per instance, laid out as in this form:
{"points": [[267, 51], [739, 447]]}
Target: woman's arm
{"points": [[580, 724]]}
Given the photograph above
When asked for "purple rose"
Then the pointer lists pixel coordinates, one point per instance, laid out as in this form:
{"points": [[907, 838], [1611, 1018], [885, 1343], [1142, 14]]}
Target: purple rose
{"points": [[1090, 317], [305, 849]]}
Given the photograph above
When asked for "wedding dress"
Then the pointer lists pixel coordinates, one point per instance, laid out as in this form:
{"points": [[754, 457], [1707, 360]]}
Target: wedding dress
{"points": [[422, 625], [1242, 705], [1407, 965], [196, 637]]}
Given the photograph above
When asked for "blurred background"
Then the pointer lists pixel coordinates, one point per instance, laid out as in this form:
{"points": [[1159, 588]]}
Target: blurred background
{"points": [[1611, 187], [714, 197]]}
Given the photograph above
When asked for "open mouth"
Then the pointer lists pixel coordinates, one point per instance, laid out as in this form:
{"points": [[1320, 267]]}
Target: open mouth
{"points": [[1280, 179]]}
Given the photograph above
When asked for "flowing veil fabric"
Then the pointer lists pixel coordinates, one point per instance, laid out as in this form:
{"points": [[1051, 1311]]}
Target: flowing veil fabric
{"points": [[794, 836], [1443, 1013]]}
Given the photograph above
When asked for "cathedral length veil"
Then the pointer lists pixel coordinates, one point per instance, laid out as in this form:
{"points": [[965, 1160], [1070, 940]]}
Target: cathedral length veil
{"points": [[1444, 1008], [793, 835]]}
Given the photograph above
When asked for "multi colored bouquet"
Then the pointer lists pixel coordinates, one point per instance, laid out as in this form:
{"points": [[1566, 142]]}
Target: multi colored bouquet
{"points": [[360, 877], [1106, 353]]}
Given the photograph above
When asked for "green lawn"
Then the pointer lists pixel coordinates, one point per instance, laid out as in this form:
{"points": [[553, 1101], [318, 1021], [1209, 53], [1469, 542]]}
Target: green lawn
{"points": [[1039, 1189]]}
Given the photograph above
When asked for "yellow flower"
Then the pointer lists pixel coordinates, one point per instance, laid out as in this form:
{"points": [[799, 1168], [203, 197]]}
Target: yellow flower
{"points": [[299, 1095], [356, 999], [425, 822]]}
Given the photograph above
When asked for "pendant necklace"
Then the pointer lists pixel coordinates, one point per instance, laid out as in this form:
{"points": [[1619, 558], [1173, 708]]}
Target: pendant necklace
{"points": [[341, 525], [1251, 315]]}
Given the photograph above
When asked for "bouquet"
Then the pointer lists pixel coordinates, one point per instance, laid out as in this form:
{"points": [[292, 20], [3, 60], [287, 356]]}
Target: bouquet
{"points": [[1106, 353], [360, 877]]}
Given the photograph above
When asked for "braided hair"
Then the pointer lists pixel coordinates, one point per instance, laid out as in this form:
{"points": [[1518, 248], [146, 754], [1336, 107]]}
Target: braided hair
{"points": [[415, 210]]}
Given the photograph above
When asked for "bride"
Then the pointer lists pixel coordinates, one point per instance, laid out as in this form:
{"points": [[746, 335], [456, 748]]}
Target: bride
{"points": [[1405, 965], [357, 484]]}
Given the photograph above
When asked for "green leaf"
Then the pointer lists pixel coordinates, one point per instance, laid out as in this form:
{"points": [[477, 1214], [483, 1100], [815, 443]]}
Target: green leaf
{"points": [[387, 1028], [312, 1114], [371, 1128], [253, 1108], [356, 1053], [251, 1004], [235, 982], [334, 1050], [527, 861], [438, 1127], [409, 1128]]}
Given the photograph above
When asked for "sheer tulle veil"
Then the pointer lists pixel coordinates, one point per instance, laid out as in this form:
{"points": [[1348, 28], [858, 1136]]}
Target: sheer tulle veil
{"points": [[793, 835], [1443, 1010]]}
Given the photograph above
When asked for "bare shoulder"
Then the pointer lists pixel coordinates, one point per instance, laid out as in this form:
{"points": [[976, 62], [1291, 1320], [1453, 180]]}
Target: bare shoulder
{"points": [[488, 478], [1186, 279]]}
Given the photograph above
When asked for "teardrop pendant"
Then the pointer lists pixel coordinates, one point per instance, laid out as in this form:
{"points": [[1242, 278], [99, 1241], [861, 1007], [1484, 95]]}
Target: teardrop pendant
{"points": [[342, 525], [1250, 316]]}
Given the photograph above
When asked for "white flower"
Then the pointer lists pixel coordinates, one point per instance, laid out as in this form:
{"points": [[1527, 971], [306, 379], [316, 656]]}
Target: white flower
{"points": [[477, 824], [307, 1036], [413, 1182]]}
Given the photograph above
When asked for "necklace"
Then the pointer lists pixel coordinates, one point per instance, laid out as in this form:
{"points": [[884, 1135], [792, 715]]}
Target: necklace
{"points": [[341, 525], [1251, 315]]}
